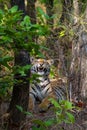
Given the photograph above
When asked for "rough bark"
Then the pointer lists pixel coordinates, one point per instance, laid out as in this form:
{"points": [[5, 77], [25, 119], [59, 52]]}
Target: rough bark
{"points": [[84, 58], [74, 79], [20, 95], [66, 11], [49, 11], [20, 4], [78, 67], [31, 11]]}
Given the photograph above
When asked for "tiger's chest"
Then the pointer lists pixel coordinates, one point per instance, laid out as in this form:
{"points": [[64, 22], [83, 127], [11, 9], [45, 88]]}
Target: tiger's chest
{"points": [[41, 90]]}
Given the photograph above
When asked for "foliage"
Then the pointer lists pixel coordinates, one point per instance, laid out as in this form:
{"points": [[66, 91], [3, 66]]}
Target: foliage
{"points": [[63, 114], [82, 6], [43, 124], [42, 15], [16, 33], [20, 108], [62, 110]]}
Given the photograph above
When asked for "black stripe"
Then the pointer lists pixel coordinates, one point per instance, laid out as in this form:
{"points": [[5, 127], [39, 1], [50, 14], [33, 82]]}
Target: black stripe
{"points": [[47, 90]]}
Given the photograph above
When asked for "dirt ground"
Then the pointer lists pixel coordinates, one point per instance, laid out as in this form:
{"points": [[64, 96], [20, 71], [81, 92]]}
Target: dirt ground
{"points": [[79, 114], [80, 119]]}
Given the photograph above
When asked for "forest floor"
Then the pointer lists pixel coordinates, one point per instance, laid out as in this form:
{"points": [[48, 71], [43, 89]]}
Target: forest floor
{"points": [[80, 120]]}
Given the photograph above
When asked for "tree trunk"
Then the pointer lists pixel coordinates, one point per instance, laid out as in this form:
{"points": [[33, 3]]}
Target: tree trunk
{"points": [[31, 11], [74, 77], [78, 67], [20, 4], [49, 11], [20, 95], [84, 59], [66, 11]]}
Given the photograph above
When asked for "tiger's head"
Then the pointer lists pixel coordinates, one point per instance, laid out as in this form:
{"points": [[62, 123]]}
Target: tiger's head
{"points": [[41, 66]]}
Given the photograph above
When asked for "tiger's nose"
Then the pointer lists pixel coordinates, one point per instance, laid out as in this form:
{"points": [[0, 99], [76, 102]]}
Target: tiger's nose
{"points": [[41, 65]]}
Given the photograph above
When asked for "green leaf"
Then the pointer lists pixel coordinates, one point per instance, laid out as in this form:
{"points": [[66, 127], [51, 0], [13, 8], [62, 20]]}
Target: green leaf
{"points": [[22, 69], [49, 122], [27, 67], [1, 12], [39, 9], [26, 23], [6, 39], [36, 128], [39, 122], [45, 48], [55, 103], [14, 9], [4, 61], [27, 19], [40, 55], [62, 33], [19, 108], [28, 113], [68, 105], [43, 1], [71, 118]]}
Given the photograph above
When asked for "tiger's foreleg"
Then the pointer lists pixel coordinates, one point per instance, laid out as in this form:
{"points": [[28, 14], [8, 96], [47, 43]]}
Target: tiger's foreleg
{"points": [[45, 104], [31, 103]]}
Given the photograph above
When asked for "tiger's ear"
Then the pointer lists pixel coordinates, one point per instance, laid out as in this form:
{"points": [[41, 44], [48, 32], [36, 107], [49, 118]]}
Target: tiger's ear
{"points": [[32, 59], [51, 62]]}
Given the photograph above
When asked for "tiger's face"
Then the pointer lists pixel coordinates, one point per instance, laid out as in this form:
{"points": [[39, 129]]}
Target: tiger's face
{"points": [[41, 67]]}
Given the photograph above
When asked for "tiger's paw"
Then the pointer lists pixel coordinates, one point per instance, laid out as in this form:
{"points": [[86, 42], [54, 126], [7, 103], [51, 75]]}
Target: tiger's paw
{"points": [[43, 108]]}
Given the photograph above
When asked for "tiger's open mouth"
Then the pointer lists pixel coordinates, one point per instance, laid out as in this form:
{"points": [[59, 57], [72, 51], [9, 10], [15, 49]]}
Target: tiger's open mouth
{"points": [[40, 69]]}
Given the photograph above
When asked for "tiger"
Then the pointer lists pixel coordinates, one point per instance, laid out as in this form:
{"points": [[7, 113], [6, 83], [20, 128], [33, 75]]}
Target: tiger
{"points": [[40, 88]]}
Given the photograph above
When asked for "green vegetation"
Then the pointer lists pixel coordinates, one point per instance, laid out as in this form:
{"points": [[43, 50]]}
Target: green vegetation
{"points": [[63, 114], [60, 32], [16, 33]]}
